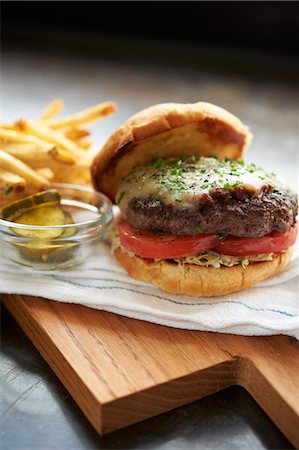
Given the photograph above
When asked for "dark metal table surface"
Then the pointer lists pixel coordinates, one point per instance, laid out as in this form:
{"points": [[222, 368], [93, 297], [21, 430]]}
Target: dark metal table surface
{"points": [[36, 411]]}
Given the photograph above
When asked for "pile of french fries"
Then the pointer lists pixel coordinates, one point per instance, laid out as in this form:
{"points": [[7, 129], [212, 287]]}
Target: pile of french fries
{"points": [[36, 153]]}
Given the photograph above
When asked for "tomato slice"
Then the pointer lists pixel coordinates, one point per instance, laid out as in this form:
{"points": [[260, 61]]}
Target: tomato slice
{"points": [[150, 245], [167, 246], [271, 243]]}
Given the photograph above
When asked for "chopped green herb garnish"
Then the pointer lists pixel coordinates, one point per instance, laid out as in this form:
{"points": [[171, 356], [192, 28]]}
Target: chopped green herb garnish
{"points": [[229, 185], [7, 190], [159, 163], [220, 236], [120, 197], [201, 230]]}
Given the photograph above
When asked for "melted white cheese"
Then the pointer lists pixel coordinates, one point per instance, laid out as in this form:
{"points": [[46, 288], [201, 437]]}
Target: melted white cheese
{"points": [[182, 181]]}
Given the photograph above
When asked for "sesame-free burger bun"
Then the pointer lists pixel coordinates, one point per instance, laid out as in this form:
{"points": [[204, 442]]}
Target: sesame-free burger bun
{"points": [[190, 279], [176, 130], [166, 130]]}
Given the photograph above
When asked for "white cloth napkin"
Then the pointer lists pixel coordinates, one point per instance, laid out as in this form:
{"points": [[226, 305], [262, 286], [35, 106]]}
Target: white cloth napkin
{"points": [[269, 308]]}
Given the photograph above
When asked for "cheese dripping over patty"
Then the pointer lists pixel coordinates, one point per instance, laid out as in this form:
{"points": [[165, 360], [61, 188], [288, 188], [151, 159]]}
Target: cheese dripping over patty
{"points": [[181, 181]]}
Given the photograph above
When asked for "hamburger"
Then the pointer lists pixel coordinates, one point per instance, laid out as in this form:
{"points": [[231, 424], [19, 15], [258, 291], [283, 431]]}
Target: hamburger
{"points": [[196, 219]]}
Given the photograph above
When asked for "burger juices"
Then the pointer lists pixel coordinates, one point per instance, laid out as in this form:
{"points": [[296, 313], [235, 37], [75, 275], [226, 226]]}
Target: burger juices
{"points": [[196, 219]]}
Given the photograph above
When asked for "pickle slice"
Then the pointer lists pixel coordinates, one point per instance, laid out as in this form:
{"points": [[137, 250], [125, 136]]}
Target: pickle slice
{"points": [[37, 251], [68, 231], [42, 216], [39, 245], [45, 198], [47, 252]]}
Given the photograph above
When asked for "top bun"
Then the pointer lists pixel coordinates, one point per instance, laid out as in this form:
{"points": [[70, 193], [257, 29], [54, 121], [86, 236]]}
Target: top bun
{"points": [[168, 130]]}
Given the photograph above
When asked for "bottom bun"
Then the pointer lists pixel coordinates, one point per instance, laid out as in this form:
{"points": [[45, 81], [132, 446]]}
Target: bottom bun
{"points": [[190, 279]]}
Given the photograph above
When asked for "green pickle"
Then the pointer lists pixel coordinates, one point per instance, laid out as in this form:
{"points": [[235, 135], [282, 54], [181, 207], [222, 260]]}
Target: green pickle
{"points": [[45, 198], [43, 252], [43, 209], [42, 216], [68, 232]]}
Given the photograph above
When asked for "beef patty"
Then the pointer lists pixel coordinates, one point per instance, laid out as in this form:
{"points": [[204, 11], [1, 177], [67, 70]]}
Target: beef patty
{"points": [[234, 212]]}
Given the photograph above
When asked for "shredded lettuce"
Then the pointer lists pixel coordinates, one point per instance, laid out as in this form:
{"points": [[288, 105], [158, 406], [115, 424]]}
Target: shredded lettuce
{"points": [[115, 240], [217, 260], [214, 259]]}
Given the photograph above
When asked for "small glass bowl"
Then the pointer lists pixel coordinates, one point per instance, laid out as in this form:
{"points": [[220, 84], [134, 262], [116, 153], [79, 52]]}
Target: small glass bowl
{"points": [[92, 215]]}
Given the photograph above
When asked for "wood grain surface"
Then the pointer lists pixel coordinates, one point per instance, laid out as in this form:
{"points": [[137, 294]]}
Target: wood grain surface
{"points": [[121, 371]]}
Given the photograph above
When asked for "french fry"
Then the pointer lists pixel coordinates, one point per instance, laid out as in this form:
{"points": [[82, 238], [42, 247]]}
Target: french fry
{"points": [[87, 116], [29, 153], [18, 136], [62, 156], [11, 164], [77, 175], [47, 134], [77, 134], [39, 159], [36, 152], [9, 180], [9, 126], [46, 172], [52, 109], [86, 144]]}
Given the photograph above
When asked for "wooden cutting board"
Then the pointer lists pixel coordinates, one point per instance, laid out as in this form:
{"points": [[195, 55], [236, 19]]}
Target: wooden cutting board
{"points": [[122, 371]]}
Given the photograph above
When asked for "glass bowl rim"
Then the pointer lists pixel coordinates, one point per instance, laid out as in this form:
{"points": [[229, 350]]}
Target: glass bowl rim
{"points": [[98, 220]]}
